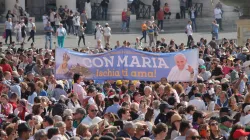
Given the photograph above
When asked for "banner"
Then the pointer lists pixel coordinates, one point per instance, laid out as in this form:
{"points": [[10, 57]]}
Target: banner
{"points": [[128, 64]]}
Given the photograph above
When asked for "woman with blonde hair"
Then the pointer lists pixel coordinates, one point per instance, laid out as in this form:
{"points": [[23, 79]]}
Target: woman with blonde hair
{"points": [[232, 104]]}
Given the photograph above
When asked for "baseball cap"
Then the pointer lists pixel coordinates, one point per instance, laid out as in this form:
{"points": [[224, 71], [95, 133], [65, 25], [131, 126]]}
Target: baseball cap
{"points": [[23, 127], [203, 67], [225, 109], [239, 133], [226, 118], [165, 105], [246, 108]]}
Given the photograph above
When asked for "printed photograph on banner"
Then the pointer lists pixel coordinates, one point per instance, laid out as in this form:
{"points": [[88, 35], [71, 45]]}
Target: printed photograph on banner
{"points": [[128, 64]]}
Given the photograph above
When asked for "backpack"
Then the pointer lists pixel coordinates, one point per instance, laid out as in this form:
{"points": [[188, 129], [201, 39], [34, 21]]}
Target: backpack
{"points": [[178, 16]]}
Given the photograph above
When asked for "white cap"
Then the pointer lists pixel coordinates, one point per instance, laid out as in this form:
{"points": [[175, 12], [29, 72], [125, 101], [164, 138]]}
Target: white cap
{"points": [[96, 120]]}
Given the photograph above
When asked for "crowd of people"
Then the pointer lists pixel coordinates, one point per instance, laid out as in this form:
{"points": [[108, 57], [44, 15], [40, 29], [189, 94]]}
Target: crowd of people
{"points": [[37, 106]]}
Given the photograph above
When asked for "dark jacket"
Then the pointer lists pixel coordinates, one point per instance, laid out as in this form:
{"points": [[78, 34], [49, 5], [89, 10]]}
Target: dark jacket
{"points": [[124, 134], [105, 3], [156, 4], [161, 118]]}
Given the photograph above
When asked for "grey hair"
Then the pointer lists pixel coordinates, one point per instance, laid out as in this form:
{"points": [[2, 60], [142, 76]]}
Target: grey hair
{"points": [[39, 134], [156, 104], [181, 55], [162, 86], [128, 125], [190, 131], [67, 112], [57, 118], [147, 87], [60, 124]]}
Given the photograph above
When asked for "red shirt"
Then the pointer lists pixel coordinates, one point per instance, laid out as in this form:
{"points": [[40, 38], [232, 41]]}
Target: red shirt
{"points": [[166, 9], [160, 15], [6, 67], [14, 105], [124, 16]]}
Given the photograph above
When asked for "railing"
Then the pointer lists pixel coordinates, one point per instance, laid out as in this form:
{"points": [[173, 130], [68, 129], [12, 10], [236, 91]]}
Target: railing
{"points": [[142, 11], [96, 12], [199, 8]]}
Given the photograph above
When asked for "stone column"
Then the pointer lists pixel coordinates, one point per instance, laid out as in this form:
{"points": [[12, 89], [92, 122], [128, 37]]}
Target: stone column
{"points": [[70, 3], [9, 4], [115, 9]]}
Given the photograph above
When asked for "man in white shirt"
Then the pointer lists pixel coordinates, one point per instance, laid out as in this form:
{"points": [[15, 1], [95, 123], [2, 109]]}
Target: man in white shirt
{"points": [[198, 103], [189, 32], [218, 16], [92, 112], [77, 88], [182, 72], [52, 18], [32, 30]]}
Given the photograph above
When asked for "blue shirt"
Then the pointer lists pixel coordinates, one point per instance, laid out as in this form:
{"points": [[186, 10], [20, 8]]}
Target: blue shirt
{"points": [[32, 97], [43, 93], [48, 28], [215, 28], [113, 109]]}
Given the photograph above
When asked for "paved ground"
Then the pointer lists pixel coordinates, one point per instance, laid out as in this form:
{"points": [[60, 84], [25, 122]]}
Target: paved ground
{"points": [[71, 41]]}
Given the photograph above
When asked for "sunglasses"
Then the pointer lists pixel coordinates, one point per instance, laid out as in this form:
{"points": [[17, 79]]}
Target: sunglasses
{"points": [[195, 137], [93, 110], [213, 124]]}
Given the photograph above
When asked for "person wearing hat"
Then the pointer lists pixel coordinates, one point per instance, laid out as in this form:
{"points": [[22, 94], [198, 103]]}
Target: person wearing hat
{"points": [[162, 117], [226, 125], [107, 33], [23, 131], [240, 134], [61, 34], [175, 124], [243, 55], [204, 73], [32, 30]]}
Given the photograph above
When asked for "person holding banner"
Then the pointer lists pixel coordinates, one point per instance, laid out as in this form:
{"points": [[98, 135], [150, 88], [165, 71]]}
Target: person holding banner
{"points": [[182, 72], [61, 33]]}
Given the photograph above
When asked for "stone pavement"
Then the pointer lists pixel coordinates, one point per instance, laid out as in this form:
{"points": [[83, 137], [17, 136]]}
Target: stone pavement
{"points": [[71, 41]]}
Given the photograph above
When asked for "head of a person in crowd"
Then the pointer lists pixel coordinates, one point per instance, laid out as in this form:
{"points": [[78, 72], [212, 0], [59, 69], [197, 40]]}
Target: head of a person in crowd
{"points": [[137, 97], [184, 127], [54, 133], [199, 117], [92, 110], [4, 99], [238, 133], [68, 120], [165, 108], [40, 135], [147, 91], [192, 134], [227, 121], [160, 130], [83, 131], [79, 114], [57, 118], [7, 75], [191, 109], [123, 113], [175, 122], [24, 131], [91, 91], [180, 61], [225, 111], [204, 131], [30, 120], [47, 121], [214, 126], [247, 109], [94, 129], [77, 78], [11, 132], [140, 130], [61, 126]]}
